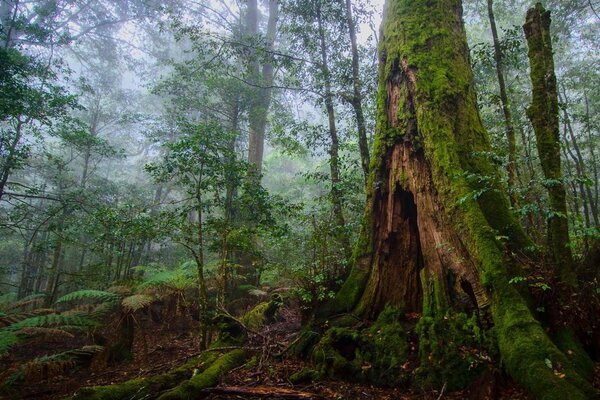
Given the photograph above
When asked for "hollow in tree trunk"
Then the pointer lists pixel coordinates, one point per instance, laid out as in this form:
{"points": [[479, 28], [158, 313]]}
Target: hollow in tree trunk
{"points": [[438, 234]]}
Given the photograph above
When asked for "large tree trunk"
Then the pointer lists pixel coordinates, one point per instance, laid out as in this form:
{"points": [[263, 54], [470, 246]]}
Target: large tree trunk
{"points": [[438, 231], [543, 113]]}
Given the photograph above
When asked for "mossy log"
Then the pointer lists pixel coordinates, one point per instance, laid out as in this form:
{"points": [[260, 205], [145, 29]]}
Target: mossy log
{"points": [[438, 233], [196, 374], [144, 388], [192, 388]]}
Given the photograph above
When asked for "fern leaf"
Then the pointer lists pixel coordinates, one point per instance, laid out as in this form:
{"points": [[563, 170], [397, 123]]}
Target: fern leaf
{"points": [[31, 300], [46, 332], [137, 302], [6, 299], [9, 319], [88, 294], [120, 290], [7, 340], [53, 320], [177, 280], [54, 365]]}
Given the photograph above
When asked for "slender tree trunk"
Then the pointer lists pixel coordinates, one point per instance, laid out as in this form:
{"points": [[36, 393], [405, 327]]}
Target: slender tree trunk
{"points": [[592, 148], [356, 100], [9, 161], [199, 257], [580, 162], [579, 173], [262, 76], [543, 113], [334, 158], [511, 168], [427, 241]]}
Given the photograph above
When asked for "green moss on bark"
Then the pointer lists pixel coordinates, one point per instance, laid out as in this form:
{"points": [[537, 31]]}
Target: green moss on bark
{"points": [[142, 388], [543, 114], [192, 388], [376, 354], [424, 42]]}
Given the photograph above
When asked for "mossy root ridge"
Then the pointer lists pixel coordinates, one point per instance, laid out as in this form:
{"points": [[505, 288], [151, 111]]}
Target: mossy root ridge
{"points": [[192, 388], [144, 388]]}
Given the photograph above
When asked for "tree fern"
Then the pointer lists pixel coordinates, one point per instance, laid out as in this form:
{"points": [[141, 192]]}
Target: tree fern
{"points": [[177, 280], [88, 294], [137, 302]]}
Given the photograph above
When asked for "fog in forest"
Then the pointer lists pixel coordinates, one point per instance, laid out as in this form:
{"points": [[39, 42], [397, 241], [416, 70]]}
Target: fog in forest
{"points": [[293, 184]]}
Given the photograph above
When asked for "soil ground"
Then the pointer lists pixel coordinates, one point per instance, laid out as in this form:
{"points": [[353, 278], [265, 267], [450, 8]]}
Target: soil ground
{"points": [[165, 348]]}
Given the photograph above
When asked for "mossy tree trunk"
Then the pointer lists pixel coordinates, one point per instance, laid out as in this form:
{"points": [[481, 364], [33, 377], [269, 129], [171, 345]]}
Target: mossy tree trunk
{"points": [[543, 113], [438, 231]]}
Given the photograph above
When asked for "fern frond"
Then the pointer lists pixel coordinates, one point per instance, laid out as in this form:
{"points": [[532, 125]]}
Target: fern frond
{"points": [[137, 302], [53, 320], [88, 294], [7, 340], [120, 290], [31, 300], [46, 332], [176, 280], [6, 299], [101, 311], [9, 319], [54, 365]]}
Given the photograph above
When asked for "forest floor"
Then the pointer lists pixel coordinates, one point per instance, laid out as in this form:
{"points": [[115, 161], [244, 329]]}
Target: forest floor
{"points": [[166, 348]]}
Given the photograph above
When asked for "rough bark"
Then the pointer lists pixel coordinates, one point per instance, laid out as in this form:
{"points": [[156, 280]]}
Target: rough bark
{"points": [[434, 239], [543, 113], [511, 168]]}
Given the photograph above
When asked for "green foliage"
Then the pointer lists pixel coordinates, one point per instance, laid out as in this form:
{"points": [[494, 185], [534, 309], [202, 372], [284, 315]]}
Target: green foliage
{"points": [[52, 365], [7, 340], [87, 294], [137, 302], [54, 320]]}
